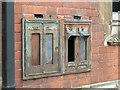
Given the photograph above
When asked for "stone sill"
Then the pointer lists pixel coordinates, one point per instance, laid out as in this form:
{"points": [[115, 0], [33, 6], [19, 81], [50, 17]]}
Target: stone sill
{"points": [[104, 85]]}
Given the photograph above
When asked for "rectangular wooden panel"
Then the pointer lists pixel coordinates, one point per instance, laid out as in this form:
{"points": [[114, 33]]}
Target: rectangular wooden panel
{"points": [[82, 49], [35, 41], [49, 48]]}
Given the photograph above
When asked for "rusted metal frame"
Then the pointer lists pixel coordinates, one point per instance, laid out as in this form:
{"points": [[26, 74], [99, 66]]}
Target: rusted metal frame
{"points": [[23, 49], [67, 36], [43, 21], [61, 52], [61, 55], [77, 22], [25, 66], [87, 60], [29, 68], [55, 62], [90, 61], [37, 68], [39, 75], [58, 62]]}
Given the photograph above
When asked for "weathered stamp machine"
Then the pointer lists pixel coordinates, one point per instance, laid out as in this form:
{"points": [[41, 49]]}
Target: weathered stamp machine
{"points": [[55, 47]]}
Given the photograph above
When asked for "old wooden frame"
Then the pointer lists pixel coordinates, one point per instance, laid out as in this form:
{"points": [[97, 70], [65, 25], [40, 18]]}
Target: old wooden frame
{"points": [[74, 28], [42, 27], [61, 67]]}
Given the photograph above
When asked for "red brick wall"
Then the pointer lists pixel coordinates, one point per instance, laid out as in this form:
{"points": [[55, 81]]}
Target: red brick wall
{"points": [[104, 59]]}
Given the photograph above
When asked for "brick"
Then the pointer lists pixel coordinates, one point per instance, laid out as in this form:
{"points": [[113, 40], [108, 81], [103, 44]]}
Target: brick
{"points": [[85, 18], [91, 12], [18, 9], [102, 50], [76, 83], [116, 76], [32, 82], [50, 16], [81, 5], [59, 78], [108, 49], [100, 76], [80, 12], [15, 3], [107, 64], [82, 75], [47, 16], [18, 46], [66, 11], [18, 64], [114, 56], [116, 69], [94, 79], [95, 64], [28, 2], [108, 71], [116, 62], [56, 84], [18, 37], [60, 16], [101, 57], [31, 16], [95, 20], [66, 84], [97, 28], [80, 82], [68, 4], [97, 57], [97, 43], [34, 9], [94, 5], [87, 74], [53, 4], [108, 77], [95, 72], [18, 55], [98, 35], [107, 56], [85, 81], [71, 76], [51, 10], [45, 85], [95, 50], [18, 83], [110, 56], [18, 28], [18, 18], [18, 74], [68, 17], [37, 87], [56, 4]]}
